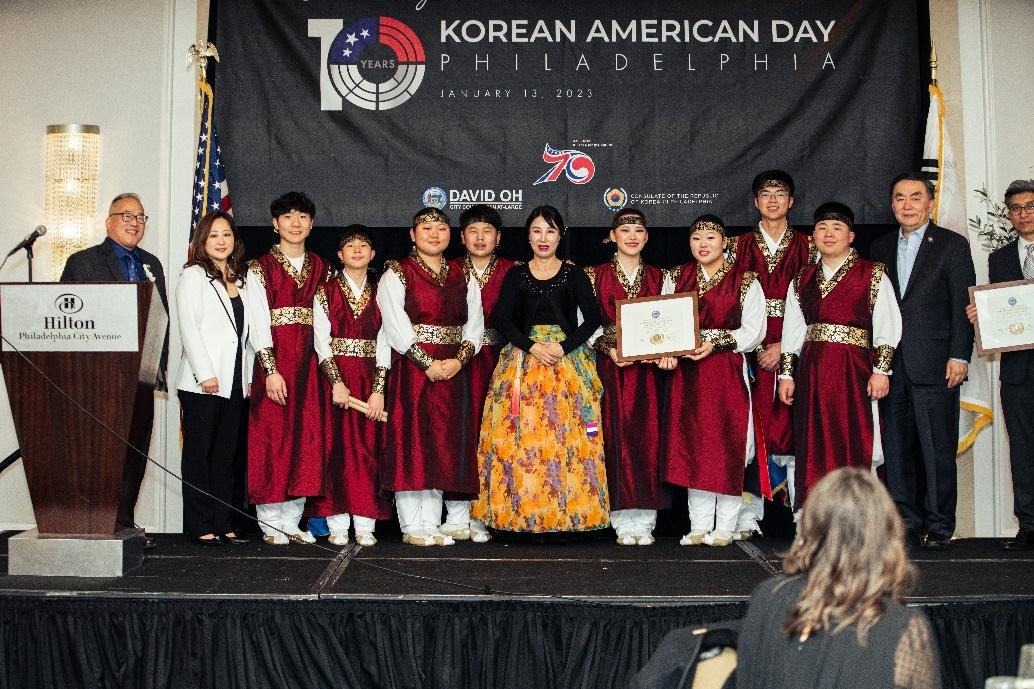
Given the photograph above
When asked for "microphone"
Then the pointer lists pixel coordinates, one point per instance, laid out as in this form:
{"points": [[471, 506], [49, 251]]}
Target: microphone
{"points": [[29, 240]]}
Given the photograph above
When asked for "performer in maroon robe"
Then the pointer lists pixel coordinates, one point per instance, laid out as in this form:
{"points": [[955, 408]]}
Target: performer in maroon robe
{"points": [[631, 410], [432, 318], [354, 358], [481, 232], [285, 434], [707, 432], [841, 327], [776, 253]]}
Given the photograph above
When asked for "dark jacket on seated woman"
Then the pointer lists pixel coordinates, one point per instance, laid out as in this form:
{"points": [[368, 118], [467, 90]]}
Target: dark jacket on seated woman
{"points": [[837, 618], [899, 650]]}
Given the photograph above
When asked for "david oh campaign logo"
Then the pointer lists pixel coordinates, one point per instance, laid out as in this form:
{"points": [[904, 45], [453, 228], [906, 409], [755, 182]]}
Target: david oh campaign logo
{"points": [[376, 63]]}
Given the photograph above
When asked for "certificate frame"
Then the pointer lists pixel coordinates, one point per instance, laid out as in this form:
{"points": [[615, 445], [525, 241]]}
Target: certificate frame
{"points": [[687, 302], [988, 341]]}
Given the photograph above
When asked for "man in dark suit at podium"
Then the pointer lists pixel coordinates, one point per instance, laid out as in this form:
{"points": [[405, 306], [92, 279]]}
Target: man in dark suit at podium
{"points": [[1015, 261], [931, 270], [119, 259]]}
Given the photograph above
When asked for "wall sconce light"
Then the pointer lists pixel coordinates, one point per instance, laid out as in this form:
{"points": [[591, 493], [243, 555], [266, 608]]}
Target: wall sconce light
{"points": [[70, 183]]}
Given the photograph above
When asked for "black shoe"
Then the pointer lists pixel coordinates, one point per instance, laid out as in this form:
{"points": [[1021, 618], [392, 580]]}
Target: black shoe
{"points": [[207, 542], [150, 542], [937, 542], [233, 540], [913, 540], [1024, 541]]}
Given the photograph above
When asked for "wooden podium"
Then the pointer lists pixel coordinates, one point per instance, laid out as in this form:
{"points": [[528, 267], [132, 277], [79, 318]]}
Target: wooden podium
{"points": [[80, 362]]}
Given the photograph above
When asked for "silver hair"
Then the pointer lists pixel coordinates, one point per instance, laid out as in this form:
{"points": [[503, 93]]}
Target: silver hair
{"points": [[122, 197], [1019, 186]]}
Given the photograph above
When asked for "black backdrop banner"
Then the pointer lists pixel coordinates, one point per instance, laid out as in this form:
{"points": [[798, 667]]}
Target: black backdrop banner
{"points": [[378, 108]]}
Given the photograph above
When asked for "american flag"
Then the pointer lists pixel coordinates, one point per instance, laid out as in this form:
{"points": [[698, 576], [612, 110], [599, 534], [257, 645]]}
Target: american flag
{"points": [[211, 192]]}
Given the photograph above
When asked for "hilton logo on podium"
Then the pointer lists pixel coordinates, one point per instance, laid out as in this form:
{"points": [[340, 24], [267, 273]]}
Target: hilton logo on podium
{"points": [[50, 318], [69, 303], [67, 323]]}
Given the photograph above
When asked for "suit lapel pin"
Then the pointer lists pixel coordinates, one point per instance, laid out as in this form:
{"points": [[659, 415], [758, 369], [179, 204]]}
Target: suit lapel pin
{"points": [[930, 239]]}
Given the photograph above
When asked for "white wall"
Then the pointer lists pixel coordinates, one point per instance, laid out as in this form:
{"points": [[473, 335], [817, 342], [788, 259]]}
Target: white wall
{"points": [[996, 67], [119, 65]]}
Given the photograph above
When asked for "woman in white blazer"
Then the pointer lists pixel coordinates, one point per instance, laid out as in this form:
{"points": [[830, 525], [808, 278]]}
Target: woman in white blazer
{"points": [[215, 374]]}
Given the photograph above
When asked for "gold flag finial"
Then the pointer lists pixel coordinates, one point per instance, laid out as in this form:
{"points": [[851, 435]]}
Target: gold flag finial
{"points": [[933, 63], [199, 53]]}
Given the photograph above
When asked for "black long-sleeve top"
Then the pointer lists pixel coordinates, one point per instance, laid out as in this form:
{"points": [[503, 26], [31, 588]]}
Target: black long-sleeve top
{"points": [[525, 301]]}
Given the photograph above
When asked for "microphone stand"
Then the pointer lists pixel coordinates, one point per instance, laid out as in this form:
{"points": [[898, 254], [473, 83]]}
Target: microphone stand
{"points": [[28, 252], [10, 459]]}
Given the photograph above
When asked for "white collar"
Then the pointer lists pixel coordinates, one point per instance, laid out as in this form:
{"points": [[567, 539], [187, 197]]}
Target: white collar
{"points": [[357, 290], [773, 244], [830, 272]]}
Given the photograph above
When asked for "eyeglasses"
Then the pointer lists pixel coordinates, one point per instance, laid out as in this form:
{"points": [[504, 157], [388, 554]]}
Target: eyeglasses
{"points": [[129, 216], [777, 195], [1016, 208]]}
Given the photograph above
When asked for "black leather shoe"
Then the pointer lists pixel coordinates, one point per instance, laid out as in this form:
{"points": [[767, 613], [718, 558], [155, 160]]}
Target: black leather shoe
{"points": [[913, 540], [150, 542], [233, 540], [207, 542], [1024, 541], [937, 542]]}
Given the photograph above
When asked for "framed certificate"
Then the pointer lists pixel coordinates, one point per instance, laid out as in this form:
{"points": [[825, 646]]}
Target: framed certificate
{"points": [[653, 327], [1005, 316]]}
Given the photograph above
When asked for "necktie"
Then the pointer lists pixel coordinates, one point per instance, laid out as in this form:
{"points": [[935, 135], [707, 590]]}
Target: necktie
{"points": [[132, 273], [1028, 263]]}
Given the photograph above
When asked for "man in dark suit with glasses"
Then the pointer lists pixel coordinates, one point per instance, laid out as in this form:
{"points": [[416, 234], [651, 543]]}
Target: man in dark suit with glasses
{"points": [[119, 259], [1015, 261]]}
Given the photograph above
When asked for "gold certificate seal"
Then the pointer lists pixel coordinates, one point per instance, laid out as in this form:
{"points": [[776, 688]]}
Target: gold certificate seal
{"points": [[657, 338], [1016, 328]]}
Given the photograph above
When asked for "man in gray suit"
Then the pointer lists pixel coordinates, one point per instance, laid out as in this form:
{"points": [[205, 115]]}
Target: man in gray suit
{"points": [[932, 270], [119, 259]]}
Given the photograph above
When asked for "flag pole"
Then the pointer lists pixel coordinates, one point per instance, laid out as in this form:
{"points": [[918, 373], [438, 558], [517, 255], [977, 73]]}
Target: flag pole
{"points": [[933, 64], [210, 189], [199, 53]]}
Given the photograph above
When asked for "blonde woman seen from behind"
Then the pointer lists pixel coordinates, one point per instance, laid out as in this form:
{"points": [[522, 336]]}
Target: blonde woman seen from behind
{"points": [[836, 618]]}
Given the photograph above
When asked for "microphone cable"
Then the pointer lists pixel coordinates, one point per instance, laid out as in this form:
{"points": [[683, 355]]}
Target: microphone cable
{"points": [[350, 557]]}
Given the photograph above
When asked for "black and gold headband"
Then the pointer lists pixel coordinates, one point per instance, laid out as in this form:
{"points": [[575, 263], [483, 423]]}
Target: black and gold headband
{"points": [[707, 226], [834, 215], [777, 183], [628, 219], [832, 210], [431, 215], [357, 235]]}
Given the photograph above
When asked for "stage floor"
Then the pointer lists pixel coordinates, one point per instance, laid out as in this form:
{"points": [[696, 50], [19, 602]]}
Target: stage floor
{"points": [[591, 568], [586, 614]]}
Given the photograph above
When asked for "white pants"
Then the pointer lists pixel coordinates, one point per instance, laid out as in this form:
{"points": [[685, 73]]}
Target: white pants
{"points": [[713, 511], [274, 517], [338, 523], [752, 511], [630, 521], [457, 514], [421, 510]]}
